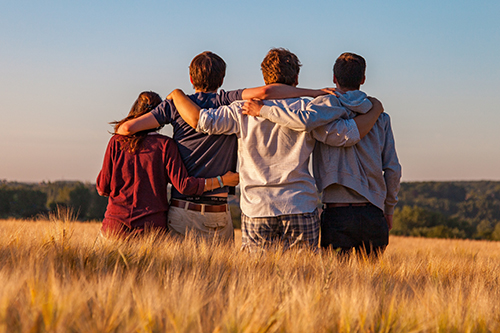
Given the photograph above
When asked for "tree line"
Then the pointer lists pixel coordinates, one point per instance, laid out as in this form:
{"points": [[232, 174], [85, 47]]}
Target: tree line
{"points": [[449, 210], [425, 209], [26, 200]]}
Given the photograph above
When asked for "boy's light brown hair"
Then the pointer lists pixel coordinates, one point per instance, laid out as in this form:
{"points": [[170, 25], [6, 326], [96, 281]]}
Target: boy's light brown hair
{"points": [[280, 66], [207, 71], [349, 70]]}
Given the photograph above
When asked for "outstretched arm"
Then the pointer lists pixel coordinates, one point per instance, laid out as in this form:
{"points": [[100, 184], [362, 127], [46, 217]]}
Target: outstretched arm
{"points": [[142, 123], [297, 117], [188, 110], [310, 118], [347, 132], [214, 121], [189, 185], [279, 91]]}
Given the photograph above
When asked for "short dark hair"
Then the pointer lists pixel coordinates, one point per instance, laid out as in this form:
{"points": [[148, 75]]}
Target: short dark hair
{"points": [[207, 71], [280, 66], [349, 70]]}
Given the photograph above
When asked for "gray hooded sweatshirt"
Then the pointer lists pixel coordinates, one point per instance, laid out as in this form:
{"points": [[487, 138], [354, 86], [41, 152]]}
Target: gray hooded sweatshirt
{"points": [[368, 171]]}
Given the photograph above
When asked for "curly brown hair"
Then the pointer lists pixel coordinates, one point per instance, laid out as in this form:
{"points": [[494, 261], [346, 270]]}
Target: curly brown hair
{"points": [[280, 66], [207, 71], [146, 102]]}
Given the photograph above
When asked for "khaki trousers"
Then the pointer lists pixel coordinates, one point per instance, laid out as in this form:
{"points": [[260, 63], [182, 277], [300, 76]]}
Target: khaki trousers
{"points": [[207, 225]]}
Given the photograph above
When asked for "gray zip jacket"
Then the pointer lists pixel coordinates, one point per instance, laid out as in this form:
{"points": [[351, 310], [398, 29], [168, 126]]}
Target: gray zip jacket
{"points": [[273, 159], [371, 167]]}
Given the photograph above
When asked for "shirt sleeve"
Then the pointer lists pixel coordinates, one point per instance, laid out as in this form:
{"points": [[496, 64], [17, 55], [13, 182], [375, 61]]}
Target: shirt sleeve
{"points": [[163, 112], [324, 117], [391, 168], [318, 112], [177, 173], [224, 120], [227, 97], [339, 133], [103, 182]]}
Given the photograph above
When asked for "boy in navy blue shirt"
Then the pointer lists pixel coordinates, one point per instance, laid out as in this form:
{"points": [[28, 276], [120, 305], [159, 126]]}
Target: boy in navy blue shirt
{"points": [[205, 155]]}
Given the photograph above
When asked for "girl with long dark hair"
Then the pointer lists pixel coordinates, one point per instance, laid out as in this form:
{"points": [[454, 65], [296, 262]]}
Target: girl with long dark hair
{"points": [[135, 174]]}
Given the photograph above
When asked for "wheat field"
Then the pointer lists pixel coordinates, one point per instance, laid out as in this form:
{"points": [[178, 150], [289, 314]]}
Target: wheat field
{"points": [[59, 276]]}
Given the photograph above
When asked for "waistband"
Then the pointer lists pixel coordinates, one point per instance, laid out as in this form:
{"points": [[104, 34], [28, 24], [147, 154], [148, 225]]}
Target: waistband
{"points": [[204, 199], [346, 204], [199, 207]]}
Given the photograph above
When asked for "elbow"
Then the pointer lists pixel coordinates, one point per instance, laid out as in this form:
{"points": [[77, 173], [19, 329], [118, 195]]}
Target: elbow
{"points": [[102, 192], [349, 141], [265, 92], [193, 122], [125, 129], [175, 93]]}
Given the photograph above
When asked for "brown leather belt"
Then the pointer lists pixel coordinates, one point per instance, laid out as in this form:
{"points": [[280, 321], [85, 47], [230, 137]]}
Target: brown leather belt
{"points": [[355, 204], [198, 207]]}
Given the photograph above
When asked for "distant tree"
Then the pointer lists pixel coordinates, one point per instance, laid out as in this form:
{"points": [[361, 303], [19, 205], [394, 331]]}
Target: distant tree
{"points": [[420, 222], [484, 230], [26, 203], [97, 206], [409, 218], [5, 198], [439, 231], [79, 200], [495, 235]]}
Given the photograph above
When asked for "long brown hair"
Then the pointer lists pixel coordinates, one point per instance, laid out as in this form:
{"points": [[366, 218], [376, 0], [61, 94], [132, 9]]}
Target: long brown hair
{"points": [[146, 102]]}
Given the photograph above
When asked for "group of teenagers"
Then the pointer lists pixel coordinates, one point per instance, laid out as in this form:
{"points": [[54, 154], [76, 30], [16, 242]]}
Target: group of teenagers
{"points": [[268, 134]]}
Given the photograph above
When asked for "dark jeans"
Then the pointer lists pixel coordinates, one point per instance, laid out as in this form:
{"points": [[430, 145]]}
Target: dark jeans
{"points": [[363, 228]]}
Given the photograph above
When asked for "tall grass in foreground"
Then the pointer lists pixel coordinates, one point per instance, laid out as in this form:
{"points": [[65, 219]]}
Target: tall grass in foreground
{"points": [[59, 276]]}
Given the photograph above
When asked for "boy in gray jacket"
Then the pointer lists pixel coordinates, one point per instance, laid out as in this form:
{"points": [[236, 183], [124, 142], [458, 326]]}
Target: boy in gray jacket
{"points": [[359, 183]]}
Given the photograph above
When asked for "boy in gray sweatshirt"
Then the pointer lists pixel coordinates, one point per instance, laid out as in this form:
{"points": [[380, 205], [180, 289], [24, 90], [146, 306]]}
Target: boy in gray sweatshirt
{"points": [[359, 183]]}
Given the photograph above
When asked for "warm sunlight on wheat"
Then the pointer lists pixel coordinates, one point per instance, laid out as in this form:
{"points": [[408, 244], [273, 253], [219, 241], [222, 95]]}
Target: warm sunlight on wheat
{"points": [[60, 276]]}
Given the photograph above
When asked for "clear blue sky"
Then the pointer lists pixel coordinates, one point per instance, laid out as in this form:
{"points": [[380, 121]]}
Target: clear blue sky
{"points": [[67, 68]]}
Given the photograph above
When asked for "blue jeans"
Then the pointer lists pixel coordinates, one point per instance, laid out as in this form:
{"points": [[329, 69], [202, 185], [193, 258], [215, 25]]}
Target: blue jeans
{"points": [[363, 228]]}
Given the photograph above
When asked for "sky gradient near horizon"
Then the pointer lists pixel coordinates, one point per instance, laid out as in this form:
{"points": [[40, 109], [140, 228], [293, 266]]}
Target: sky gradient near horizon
{"points": [[69, 68]]}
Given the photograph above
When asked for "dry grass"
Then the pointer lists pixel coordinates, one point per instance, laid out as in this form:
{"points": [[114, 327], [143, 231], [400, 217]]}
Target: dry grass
{"points": [[59, 276]]}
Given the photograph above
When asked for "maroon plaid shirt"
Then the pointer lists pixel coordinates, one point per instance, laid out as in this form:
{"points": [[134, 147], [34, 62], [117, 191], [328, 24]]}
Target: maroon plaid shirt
{"points": [[137, 183]]}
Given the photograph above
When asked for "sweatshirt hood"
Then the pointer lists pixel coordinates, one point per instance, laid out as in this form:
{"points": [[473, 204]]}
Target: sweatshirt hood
{"points": [[356, 101]]}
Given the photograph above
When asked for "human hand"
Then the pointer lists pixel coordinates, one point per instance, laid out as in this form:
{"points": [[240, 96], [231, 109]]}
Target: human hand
{"points": [[252, 107], [388, 218], [331, 91], [377, 105], [231, 178]]}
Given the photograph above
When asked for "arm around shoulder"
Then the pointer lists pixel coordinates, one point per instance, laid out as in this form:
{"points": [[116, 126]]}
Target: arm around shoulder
{"points": [[188, 110], [280, 91], [144, 122], [366, 121]]}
